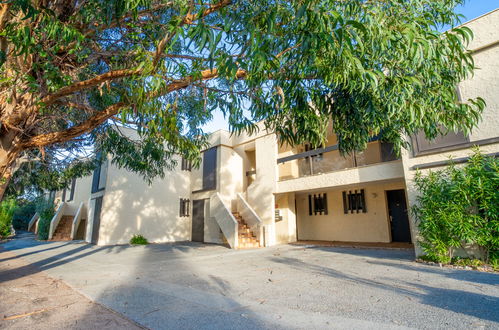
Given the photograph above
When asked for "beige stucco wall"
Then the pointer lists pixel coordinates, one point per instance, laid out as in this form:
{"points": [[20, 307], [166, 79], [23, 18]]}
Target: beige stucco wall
{"points": [[372, 226], [285, 230], [260, 194], [484, 83], [83, 187], [131, 206]]}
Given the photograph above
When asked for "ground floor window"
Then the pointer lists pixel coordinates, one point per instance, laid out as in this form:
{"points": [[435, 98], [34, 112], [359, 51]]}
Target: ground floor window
{"points": [[354, 202], [317, 204], [184, 207]]}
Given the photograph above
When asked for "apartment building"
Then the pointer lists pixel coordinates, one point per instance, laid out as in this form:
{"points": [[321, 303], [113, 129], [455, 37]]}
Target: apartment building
{"points": [[251, 191]]}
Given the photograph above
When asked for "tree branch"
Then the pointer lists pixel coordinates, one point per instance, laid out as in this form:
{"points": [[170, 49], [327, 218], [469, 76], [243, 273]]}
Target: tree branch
{"points": [[66, 135]]}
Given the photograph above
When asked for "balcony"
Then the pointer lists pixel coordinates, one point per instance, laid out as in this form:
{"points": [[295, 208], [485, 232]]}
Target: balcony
{"points": [[329, 159]]}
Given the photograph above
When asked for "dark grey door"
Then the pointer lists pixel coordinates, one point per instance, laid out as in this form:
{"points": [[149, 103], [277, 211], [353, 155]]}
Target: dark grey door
{"points": [[198, 220], [397, 210], [96, 223]]}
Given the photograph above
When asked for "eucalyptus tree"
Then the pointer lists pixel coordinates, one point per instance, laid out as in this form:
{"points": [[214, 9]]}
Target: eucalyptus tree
{"points": [[73, 69]]}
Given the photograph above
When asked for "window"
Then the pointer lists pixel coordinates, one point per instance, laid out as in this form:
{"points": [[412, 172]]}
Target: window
{"points": [[210, 169], [442, 142], [354, 202], [317, 204], [72, 191], [185, 204], [186, 165], [96, 179]]}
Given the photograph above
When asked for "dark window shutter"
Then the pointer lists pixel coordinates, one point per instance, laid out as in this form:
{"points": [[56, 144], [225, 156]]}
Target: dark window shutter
{"points": [[72, 192], [345, 207], [210, 169], [363, 201], [421, 144], [324, 200], [309, 204], [96, 176]]}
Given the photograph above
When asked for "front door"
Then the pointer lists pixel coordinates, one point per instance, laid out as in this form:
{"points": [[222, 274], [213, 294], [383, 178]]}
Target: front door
{"points": [[198, 220], [397, 210]]}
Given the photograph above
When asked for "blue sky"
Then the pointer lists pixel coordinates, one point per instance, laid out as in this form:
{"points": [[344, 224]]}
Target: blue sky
{"points": [[471, 9]]}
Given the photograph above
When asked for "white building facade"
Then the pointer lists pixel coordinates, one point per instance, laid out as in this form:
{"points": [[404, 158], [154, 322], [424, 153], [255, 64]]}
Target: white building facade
{"points": [[285, 194]]}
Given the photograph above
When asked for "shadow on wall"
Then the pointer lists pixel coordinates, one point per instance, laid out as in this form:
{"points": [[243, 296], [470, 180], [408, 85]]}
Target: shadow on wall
{"points": [[133, 207], [447, 299]]}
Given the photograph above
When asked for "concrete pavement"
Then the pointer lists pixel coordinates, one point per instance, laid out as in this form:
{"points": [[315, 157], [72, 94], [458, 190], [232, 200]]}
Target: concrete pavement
{"points": [[192, 286]]}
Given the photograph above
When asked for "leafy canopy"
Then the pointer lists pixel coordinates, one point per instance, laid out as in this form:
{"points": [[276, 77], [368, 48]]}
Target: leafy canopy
{"points": [[73, 72]]}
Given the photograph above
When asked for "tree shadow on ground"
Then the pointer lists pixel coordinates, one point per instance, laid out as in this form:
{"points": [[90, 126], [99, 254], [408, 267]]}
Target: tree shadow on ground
{"points": [[471, 276], [443, 298]]}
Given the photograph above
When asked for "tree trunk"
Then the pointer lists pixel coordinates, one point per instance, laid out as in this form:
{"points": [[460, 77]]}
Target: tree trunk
{"points": [[8, 156]]}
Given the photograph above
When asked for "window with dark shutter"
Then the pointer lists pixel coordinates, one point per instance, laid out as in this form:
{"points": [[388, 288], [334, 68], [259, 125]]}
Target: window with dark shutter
{"points": [[354, 202], [96, 175], [185, 205], [317, 204], [210, 169], [72, 191], [186, 165]]}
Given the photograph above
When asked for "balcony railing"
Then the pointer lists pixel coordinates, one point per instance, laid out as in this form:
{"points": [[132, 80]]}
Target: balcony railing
{"points": [[329, 159]]}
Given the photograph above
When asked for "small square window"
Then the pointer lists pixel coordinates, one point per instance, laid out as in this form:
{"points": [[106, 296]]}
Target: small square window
{"points": [[317, 204]]}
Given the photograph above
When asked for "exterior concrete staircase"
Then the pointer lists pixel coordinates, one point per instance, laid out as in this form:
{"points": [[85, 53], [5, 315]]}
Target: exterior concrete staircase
{"points": [[246, 238], [63, 230]]}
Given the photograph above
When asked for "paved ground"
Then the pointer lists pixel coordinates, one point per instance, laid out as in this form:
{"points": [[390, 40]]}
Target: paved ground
{"points": [[32, 300], [187, 286]]}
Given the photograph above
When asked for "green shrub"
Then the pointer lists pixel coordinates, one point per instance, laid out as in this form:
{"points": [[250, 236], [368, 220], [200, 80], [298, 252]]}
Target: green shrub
{"points": [[458, 206], [7, 209], [138, 240], [23, 214], [46, 211]]}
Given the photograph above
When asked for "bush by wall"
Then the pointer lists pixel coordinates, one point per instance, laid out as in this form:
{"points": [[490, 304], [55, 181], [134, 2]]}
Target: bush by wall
{"points": [[23, 214], [46, 211], [7, 209], [138, 240], [458, 206]]}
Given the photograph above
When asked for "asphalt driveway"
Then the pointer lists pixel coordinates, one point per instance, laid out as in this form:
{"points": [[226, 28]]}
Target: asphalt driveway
{"points": [[192, 286]]}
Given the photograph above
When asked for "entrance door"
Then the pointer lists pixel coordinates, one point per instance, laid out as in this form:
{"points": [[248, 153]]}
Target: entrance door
{"points": [[397, 210], [96, 222], [198, 220]]}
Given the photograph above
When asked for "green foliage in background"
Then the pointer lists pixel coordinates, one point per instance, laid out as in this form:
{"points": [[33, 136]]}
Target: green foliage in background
{"points": [[138, 239], [46, 210], [7, 209], [460, 205], [23, 214], [73, 73]]}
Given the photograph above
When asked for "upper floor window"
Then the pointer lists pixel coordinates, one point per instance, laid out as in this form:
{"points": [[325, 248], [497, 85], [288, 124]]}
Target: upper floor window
{"points": [[421, 145], [210, 169], [186, 164], [72, 191], [99, 175]]}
